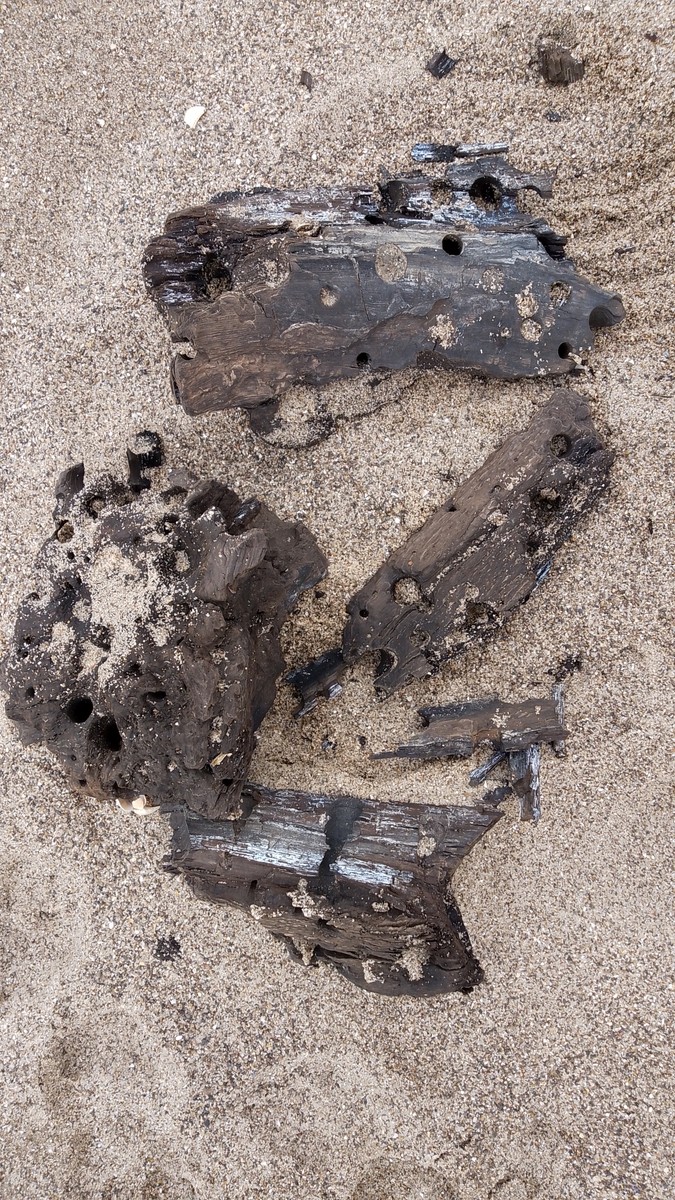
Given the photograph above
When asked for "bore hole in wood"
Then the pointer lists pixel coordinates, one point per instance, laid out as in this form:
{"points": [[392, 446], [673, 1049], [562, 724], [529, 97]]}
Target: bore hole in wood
{"points": [[64, 532], [486, 193], [560, 445], [363, 612], [477, 613], [560, 293], [95, 506], [452, 244], [407, 591], [79, 709], [564, 350], [109, 734], [362, 360], [29, 693]]}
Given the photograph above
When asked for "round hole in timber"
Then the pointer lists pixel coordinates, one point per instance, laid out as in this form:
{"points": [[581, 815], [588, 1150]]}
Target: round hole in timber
{"points": [[452, 244], [362, 360], [110, 735], [486, 192], [560, 445], [79, 709], [363, 612], [564, 350]]}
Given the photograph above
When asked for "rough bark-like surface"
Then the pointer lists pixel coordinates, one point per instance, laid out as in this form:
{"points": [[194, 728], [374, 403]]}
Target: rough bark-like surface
{"points": [[149, 653], [456, 730], [274, 289], [478, 558], [358, 883]]}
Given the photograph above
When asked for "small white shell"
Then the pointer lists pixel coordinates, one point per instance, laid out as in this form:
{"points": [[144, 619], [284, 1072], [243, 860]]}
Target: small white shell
{"points": [[193, 115]]}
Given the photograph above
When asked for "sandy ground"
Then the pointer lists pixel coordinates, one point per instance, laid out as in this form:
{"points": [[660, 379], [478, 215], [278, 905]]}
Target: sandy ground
{"points": [[232, 1072]]}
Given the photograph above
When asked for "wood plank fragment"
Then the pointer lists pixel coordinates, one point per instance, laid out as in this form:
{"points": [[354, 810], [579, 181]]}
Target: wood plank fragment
{"points": [[272, 290], [459, 577], [358, 883], [456, 730]]}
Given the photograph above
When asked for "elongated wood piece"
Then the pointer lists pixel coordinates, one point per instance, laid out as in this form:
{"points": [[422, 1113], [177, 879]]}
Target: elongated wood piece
{"points": [[149, 652], [277, 288], [459, 577], [456, 730], [361, 884]]}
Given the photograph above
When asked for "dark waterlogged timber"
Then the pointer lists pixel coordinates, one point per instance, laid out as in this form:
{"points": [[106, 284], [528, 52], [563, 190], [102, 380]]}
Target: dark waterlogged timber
{"points": [[149, 652], [271, 289], [515, 733], [357, 883], [478, 557], [456, 730]]}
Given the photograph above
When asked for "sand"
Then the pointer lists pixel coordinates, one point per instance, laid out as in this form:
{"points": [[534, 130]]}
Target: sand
{"points": [[231, 1071]]}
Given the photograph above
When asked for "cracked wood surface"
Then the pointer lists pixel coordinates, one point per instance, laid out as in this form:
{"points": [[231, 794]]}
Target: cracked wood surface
{"points": [[272, 289], [361, 884]]}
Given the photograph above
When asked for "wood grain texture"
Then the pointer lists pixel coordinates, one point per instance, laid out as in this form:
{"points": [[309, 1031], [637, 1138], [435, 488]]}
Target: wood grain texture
{"points": [[477, 558], [271, 289], [357, 883], [456, 730]]}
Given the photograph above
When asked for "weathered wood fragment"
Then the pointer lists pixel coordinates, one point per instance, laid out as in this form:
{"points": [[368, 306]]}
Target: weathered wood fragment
{"points": [[524, 768], [441, 65], [358, 883], [149, 652], [456, 730], [480, 556], [276, 289]]}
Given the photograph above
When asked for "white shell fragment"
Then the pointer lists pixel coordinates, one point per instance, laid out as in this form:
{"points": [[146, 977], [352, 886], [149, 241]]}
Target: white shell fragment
{"points": [[193, 115]]}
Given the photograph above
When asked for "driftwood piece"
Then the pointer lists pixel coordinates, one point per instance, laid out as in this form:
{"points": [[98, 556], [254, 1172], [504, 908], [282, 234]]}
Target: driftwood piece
{"points": [[524, 766], [456, 730], [440, 64], [358, 883], [459, 577], [149, 652], [276, 289]]}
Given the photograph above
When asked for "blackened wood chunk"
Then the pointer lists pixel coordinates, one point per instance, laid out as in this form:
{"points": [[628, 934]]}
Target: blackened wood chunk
{"points": [[456, 730], [557, 65], [272, 290], [458, 578], [441, 65], [358, 883], [149, 652]]}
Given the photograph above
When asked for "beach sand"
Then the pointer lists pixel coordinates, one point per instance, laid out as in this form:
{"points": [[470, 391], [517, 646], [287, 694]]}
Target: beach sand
{"points": [[233, 1072]]}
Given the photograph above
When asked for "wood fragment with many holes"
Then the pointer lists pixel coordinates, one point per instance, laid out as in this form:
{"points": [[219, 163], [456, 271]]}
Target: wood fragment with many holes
{"points": [[477, 558], [273, 289]]}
